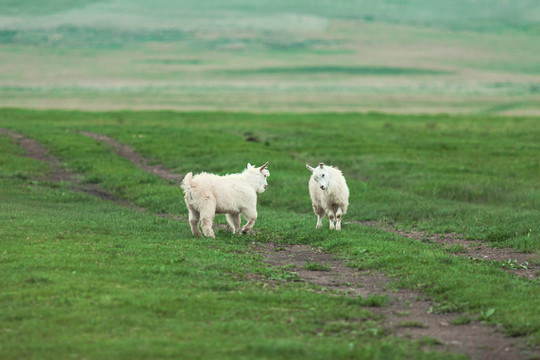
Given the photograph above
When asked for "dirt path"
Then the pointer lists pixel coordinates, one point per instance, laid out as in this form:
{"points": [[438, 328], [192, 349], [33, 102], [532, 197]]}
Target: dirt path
{"points": [[407, 313], [515, 262]]}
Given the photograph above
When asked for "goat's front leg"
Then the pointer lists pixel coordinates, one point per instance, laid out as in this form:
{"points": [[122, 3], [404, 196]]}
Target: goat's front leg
{"points": [[250, 216], [339, 212]]}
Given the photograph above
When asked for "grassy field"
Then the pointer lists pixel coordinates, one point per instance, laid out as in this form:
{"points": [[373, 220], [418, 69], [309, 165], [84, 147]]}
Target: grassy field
{"points": [[408, 57], [84, 277], [430, 108]]}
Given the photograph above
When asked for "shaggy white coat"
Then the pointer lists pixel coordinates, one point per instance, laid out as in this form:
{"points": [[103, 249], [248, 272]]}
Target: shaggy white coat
{"points": [[208, 194], [329, 194]]}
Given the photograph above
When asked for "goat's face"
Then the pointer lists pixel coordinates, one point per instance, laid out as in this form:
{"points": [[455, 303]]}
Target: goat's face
{"points": [[263, 184], [263, 175], [320, 175]]}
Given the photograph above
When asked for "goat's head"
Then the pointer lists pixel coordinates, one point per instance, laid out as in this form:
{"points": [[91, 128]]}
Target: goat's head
{"points": [[320, 175], [263, 174]]}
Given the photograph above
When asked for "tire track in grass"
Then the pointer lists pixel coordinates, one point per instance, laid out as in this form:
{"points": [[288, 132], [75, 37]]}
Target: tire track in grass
{"points": [[127, 152], [406, 312], [58, 172], [517, 263], [61, 174]]}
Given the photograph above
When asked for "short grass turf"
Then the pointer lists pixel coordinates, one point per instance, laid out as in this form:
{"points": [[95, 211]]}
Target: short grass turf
{"points": [[87, 277]]}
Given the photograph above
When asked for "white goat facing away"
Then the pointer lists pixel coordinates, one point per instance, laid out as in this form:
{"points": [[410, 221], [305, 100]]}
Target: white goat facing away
{"points": [[208, 194], [329, 194]]}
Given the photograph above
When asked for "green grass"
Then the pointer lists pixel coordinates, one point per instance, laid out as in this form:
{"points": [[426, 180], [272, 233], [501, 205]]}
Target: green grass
{"points": [[125, 285], [315, 266], [462, 320], [371, 301], [456, 249], [82, 277], [70, 263], [412, 324]]}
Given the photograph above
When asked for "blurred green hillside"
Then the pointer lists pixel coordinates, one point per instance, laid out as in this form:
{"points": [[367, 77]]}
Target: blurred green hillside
{"points": [[396, 56]]}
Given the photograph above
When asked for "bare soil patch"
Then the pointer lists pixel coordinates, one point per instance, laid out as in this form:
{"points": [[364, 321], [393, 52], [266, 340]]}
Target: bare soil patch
{"points": [[407, 314], [517, 263]]}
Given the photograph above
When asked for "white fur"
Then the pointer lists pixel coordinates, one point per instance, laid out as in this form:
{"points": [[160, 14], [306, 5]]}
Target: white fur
{"points": [[208, 194], [329, 194]]}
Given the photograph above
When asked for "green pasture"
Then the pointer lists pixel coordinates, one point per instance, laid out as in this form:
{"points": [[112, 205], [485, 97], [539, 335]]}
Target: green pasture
{"points": [[84, 277], [430, 108]]}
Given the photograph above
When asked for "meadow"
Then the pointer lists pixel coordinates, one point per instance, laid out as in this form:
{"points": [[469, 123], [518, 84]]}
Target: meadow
{"points": [[430, 108], [87, 277]]}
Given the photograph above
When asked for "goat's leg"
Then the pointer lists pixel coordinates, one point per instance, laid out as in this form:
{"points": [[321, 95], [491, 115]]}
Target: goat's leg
{"points": [[206, 225], [331, 217], [339, 212], [320, 213], [251, 216], [236, 219], [234, 222], [194, 221], [207, 217]]}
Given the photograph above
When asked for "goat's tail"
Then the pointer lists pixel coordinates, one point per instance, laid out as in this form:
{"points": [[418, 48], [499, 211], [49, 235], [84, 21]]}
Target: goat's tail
{"points": [[186, 183]]}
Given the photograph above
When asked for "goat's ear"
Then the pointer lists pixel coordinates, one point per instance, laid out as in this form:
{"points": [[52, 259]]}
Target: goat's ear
{"points": [[249, 165], [321, 165], [265, 165], [310, 168]]}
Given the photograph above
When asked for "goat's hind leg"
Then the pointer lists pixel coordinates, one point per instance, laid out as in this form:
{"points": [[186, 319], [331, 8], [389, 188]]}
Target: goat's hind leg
{"points": [[237, 222], [339, 213], [207, 218], [320, 213], [234, 222], [194, 216], [332, 218]]}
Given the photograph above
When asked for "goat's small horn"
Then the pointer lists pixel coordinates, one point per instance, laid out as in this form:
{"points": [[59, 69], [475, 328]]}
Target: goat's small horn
{"points": [[321, 165], [262, 167]]}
